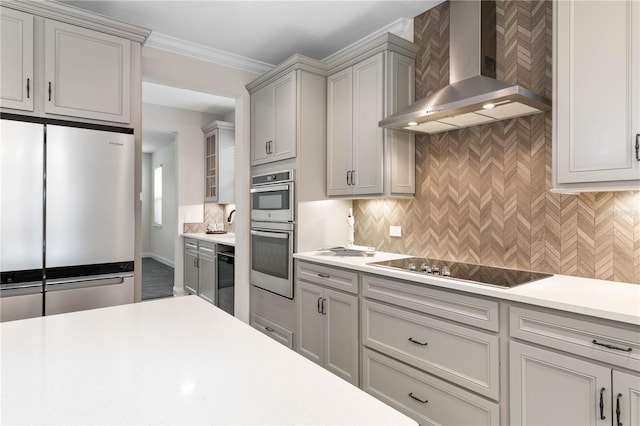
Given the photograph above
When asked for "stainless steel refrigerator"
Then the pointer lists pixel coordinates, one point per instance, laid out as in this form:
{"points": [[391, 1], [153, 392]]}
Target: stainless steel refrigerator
{"points": [[67, 219]]}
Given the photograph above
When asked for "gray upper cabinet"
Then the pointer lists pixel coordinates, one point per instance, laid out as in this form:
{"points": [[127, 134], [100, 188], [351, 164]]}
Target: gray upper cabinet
{"points": [[596, 123], [219, 162], [87, 73], [16, 60], [273, 121], [364, 86], [57, 62]]}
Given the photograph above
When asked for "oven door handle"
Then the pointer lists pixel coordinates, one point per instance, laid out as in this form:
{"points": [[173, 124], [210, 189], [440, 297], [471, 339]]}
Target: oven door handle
{"points": [[270, 188], [280, 235]]}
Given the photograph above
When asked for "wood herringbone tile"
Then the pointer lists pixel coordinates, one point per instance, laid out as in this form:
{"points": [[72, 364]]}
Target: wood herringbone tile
{"points": [[483, 194]]}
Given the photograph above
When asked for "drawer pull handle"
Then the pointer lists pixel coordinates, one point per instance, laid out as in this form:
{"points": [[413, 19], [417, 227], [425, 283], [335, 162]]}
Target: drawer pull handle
{"points": [[602, 417], [619, 423], [423, 401], [595, 342], [411, 339], [269, 329], [324, 275]]}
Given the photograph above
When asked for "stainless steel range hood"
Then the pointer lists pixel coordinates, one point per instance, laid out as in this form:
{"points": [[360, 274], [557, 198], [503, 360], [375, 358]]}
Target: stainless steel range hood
{"points": [[473, 96]]}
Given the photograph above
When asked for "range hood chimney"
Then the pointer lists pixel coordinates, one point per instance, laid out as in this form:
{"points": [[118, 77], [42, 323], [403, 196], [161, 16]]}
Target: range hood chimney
{"points": [[473, 95]]}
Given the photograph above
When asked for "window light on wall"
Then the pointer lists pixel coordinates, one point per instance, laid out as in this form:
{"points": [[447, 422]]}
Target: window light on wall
{"points": [[157, 195]]}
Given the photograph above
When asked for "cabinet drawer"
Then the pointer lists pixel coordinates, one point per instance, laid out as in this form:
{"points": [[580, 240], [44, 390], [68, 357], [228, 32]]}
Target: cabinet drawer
{"points": [[190, 244], [272, 330], [467, 357], [475, 311], [331, 277], [578, 336], [395, 383]]}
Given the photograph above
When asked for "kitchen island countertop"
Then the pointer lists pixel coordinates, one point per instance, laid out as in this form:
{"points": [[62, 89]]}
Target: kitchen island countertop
{"points": [[227, 239], [611, 300], [179, 360]]}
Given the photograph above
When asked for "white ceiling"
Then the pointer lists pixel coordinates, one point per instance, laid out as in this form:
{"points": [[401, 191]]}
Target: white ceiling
{"points": [[267, 31], [153, 140], [263, 31], [175, 97]]}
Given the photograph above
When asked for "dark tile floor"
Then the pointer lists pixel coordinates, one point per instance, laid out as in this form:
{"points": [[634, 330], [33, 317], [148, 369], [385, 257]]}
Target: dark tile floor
{"points": [[157, 279]]}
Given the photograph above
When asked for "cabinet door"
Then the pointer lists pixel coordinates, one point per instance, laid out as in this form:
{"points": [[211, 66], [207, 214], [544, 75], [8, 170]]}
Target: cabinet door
{"points": [[598, 92], [261, 124], [310, 322], [284, 115], [368, 110], [88, 73], [400, 146], [339, 132], [16, 60], [190, 266], [552, 389], [626, 399], [207, 272], [341, 335], [211, 169]]}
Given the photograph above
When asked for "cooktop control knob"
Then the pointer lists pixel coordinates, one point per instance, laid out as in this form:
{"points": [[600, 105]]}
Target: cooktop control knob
{"points": [[445, 272], [425, 268], [435, 270], [412, 266]]}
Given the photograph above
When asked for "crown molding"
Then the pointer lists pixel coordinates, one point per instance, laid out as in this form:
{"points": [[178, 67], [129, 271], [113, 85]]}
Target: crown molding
{"points": [[294, 62], [205, 53], [397, 27], [75, 16]]}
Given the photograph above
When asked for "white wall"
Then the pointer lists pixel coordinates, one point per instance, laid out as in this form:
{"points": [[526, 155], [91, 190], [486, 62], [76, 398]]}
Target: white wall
{"points": [[163, 67], [145, 242], [185, 154], [162, 238]]}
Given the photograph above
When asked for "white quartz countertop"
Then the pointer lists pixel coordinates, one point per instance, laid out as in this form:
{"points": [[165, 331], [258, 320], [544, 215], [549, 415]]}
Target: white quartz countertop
{"points": [[171, 361], [598, 298], [228, 238]]}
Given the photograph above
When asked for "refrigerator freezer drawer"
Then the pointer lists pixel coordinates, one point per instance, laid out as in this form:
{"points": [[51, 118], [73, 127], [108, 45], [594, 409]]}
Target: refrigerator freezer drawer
{"points": [[75, 296], [20, 307]]}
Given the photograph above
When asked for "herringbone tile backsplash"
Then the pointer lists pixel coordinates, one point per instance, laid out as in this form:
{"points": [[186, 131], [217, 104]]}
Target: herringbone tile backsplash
{"points": [[483, 193]]}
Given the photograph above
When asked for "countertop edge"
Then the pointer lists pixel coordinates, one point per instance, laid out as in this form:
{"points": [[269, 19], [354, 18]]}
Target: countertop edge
{"points": [[228, 238], [560, 292]]}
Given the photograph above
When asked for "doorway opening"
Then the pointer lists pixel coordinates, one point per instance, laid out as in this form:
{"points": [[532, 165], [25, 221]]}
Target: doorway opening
{"points": [[159, 213]]}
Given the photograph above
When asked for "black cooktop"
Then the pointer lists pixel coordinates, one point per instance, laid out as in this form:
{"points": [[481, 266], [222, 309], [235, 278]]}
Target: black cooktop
{"points": [[488, 275]]}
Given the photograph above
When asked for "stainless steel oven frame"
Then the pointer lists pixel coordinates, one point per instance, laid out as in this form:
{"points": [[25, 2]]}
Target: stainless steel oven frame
{"points": [[274, 183], [277, 231]]}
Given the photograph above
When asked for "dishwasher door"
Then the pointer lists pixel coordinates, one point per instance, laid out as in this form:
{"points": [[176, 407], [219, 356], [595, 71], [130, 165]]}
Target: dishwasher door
{"points": [[225, 297], [79, 294]]}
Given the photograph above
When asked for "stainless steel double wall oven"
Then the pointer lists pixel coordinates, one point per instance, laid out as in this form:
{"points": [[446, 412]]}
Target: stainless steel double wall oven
{"points": [[272, 232]]}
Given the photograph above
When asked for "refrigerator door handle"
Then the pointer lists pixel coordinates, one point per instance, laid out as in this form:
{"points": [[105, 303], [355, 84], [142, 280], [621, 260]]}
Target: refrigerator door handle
{"points": [[8, 290], [70, 283]]}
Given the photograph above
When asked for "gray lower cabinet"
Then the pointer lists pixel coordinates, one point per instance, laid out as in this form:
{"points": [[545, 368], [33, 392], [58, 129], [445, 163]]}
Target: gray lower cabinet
{"points": [[432, 354], [200, 268], [328, 329], [426, 398], [191, 266], [586, 385]]}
